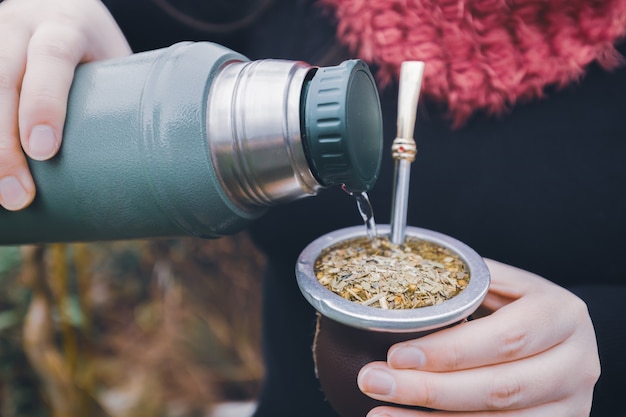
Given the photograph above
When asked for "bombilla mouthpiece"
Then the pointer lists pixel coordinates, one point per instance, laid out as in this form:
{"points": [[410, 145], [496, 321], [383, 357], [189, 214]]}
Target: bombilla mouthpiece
{"points": [[411, 75], [404, 148]]}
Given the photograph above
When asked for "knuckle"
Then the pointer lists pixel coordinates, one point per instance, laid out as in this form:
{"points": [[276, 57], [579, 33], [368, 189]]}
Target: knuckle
{"points": [[512, 344], [5, 148], [505, 393], [9, 152], [422, 392], [63, 46], [10, 162], [454, 358], [8, 82], [41, 99], [427, 396], [54, 49]]}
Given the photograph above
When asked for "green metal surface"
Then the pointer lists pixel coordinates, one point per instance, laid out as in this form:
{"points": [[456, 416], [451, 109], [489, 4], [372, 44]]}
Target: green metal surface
{"points": [[134, 161]]}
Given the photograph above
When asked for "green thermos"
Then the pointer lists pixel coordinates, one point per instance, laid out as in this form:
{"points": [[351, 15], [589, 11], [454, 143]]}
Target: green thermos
{"points": [[196, 139]]}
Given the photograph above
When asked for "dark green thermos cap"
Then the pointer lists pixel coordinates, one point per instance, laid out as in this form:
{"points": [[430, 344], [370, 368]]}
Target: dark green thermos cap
{"points": [[342, 126]]}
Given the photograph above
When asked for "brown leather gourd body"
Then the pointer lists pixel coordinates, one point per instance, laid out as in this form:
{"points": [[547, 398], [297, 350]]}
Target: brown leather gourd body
{"points": [[340, 351]]}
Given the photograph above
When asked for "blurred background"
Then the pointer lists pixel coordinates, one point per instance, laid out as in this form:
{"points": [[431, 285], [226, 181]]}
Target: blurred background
{"points": [[134, 328]]}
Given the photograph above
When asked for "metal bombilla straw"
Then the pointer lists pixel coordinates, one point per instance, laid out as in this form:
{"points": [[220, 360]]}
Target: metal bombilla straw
{"points": [[403, 148]]}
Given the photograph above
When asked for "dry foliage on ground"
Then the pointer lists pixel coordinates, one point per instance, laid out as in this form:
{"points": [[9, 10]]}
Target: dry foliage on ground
{"points": [[139, 328]]}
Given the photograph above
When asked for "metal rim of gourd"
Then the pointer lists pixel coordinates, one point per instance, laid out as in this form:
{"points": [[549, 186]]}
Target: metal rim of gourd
{"points": [[333, 306]]}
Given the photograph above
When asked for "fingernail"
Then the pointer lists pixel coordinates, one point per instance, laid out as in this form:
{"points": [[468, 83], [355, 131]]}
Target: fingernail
{"points": [[42, 143], [375, 413], [13, 196], [378, 414], [376, 381], [406, 357]]}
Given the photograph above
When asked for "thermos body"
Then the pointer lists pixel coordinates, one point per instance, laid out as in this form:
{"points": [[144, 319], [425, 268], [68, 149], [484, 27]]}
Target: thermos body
{"points": [[193, 139], [117, 175]]}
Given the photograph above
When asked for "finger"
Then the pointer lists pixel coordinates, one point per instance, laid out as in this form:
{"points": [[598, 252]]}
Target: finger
{"points": [[16, 185], [518, 330], [514, 332], [516, 385], [53, 53], [573, 408]]}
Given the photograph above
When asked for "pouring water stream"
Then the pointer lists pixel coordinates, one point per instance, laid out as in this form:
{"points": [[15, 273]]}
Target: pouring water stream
{"points": [[403, 151]]}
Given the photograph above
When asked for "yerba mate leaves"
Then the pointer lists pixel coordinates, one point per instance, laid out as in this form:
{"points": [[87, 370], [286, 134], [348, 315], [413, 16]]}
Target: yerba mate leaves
{"points": [[380, 274]]}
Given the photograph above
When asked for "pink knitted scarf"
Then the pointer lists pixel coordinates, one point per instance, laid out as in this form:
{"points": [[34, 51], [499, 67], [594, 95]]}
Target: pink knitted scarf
{"points": [[483, 54]]}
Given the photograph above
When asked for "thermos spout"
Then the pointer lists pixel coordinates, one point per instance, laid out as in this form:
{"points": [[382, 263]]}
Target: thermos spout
{"points": [[253, 132], [281, 130]]}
